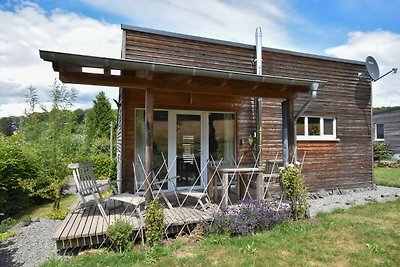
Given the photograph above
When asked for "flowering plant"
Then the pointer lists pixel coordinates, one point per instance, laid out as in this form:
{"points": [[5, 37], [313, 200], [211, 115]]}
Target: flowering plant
{"points": [[249, 217]]}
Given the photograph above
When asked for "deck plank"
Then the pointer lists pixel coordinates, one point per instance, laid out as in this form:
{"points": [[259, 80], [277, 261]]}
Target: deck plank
{"points": [[67, 233], [82, 223], [89, 223], [63, 226]]}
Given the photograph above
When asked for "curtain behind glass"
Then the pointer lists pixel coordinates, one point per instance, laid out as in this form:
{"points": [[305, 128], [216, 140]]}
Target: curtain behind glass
{"points": [[139, 149], [222, 137]]}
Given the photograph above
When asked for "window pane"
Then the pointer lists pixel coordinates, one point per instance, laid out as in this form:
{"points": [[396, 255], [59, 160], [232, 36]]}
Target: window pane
{"points": [[380, 131], [300, 126], [328, 126], [221, 137], [313, 126], [160, 145]]}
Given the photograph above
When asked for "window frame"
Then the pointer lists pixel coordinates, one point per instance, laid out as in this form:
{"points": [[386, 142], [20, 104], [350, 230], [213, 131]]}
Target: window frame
{"points": [[376, 132], [322, 136]]}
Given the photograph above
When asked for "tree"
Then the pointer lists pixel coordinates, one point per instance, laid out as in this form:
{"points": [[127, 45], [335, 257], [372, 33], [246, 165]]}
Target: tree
{"points": [[52, 142], [8, 125], [16, 167], [98, 119]]}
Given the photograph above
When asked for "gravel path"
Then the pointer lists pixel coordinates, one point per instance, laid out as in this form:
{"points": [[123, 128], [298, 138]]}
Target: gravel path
{"points": [[34, 245], [327, 203]]}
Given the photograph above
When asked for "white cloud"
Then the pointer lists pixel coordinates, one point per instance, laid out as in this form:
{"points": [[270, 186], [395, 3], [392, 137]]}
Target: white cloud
{"points": [[26, 30], [226, 20], [384, 46]]}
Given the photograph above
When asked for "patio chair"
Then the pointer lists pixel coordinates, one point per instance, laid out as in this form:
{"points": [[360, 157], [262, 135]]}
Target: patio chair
{"points": [[269, 182], [200, 196], [90, 192]]}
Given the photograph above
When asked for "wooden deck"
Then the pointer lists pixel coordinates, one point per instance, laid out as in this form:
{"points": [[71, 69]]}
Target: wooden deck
{"points": [[86, 227]]}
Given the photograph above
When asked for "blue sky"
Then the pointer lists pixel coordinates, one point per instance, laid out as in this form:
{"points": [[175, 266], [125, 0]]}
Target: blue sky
{"points": [[351, 29]]}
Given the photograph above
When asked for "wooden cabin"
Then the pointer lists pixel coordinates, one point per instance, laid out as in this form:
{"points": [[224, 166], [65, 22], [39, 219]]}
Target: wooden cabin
{"points": [[387, 128], [186, 100]]}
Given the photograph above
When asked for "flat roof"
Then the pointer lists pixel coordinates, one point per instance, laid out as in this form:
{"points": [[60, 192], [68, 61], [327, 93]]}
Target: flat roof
{"points": [[236, 44], [70, 67]]}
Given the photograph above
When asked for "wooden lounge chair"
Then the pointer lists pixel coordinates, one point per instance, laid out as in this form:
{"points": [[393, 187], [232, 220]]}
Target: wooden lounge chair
{"points": [[90, 192]]}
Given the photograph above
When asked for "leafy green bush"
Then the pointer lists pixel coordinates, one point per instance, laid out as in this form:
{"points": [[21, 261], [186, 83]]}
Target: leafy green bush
{"points": [[381, 151], [154, 223], [112, 175], [120, 234], [26, 220], [295, 190], [101, 166], [58, 214], [16, 167], [6, 235], [7, 224]]}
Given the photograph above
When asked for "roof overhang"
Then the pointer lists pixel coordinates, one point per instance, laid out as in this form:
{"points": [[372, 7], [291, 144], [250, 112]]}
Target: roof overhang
{"points": [[91, 70]]}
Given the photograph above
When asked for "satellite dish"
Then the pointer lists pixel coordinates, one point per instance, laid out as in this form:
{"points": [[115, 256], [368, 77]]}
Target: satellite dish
{"points": [[372, 68]]}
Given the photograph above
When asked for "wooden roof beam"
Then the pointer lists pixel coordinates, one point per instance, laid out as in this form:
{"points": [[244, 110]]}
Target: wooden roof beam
{"points": [[238, 88]]}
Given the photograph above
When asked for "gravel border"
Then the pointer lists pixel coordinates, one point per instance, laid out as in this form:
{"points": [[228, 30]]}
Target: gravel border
{"points": [[344, 199], [32, 246]]}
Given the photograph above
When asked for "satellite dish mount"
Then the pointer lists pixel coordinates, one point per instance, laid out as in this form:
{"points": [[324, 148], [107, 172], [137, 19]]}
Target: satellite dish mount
{"points": [[373, 69]]}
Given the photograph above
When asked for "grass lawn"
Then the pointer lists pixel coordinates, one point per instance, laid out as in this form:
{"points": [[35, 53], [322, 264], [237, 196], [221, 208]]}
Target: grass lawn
{"points": [[361, 236], [44, 210], [387, 176]]}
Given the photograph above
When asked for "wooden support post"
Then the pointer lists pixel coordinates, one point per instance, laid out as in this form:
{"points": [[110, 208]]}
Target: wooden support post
{"points": [[289, 139], [292, 138], [285, 138], [149, 115]]}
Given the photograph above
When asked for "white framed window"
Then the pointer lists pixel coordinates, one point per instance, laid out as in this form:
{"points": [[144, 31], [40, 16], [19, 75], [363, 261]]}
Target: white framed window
{"points": [[316, 128], [379, 132]]}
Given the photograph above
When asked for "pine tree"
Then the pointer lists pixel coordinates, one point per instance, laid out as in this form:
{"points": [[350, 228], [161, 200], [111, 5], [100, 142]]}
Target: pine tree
{"points": [[98, 119]]}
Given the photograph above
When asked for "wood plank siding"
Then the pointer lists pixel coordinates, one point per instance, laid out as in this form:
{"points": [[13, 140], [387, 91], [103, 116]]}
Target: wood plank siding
{"points": [[391, 125], [346, 163]]}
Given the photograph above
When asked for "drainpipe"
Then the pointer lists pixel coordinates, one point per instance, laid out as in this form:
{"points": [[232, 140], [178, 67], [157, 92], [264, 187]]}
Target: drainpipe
{"points": [[313, 94], [259, 100]]}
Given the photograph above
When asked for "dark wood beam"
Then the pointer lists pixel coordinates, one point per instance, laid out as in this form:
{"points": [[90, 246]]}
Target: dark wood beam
{"points": [[289, 139], [292, 131], [149, 113], [285, 133], [204, 86]]}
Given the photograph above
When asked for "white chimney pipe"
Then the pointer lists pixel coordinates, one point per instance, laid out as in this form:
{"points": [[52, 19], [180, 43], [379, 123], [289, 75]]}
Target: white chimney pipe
{"points": [[258, 51], [259, 100]]}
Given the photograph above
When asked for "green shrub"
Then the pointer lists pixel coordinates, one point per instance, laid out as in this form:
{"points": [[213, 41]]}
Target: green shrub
{"points": [[6, 235], [101, 166], [112, 172], [26, 220], [7, 224], [295, 190], [16, 167], [381, 151], [154, 223], [58, 214], [120, 234]]}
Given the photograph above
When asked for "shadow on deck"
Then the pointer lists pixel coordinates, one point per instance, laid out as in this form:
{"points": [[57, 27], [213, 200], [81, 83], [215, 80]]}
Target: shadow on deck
{"points": [[86, 227]]}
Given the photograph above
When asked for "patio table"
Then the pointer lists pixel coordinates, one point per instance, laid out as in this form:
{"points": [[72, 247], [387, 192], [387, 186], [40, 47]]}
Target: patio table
{"points": [[224, 172]]}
